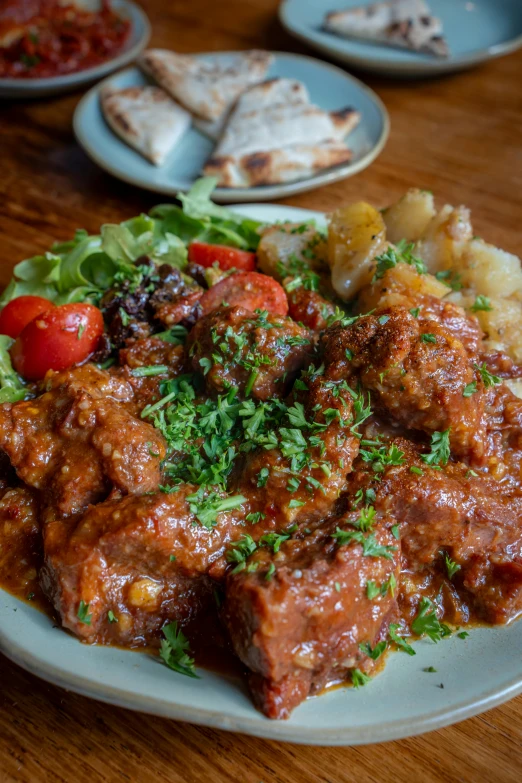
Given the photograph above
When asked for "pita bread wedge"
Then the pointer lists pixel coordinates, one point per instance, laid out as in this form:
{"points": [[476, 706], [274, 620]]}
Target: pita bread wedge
{"points": [[274, 135], [271, 91], [205, 88], [404, 23], [146, 118]]}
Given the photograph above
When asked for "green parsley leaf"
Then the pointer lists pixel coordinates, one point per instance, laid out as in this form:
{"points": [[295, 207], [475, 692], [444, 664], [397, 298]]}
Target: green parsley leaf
{"points": [[415, 311], [349, 354], [153, 369], [440, 449], [206, 508], [83, 613], [428, 338], [402, 253], [390, 584], [451, 566], [255, 517], [296, 503], [240, 551], [395, 531], [430, 669], [172, 558], [337, 587], [374, 653], [487, 378], [470, 389], [416, 470], [481, 303], [81, 329], [372, 591], [111, 617], [262, 477], [271, 571], [205, 364], [427, 622], [401, 643], [274, 540], [463, 635], [174, 651], [359, 678]]}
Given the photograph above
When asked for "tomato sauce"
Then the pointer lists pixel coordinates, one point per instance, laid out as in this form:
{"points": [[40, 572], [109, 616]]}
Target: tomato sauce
{"points": [[44, 38]]}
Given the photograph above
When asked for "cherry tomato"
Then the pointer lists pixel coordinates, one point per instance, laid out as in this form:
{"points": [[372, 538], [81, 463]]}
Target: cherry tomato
{"points": [[57, 339], [250, 290], [227, 257], [20, 311]]}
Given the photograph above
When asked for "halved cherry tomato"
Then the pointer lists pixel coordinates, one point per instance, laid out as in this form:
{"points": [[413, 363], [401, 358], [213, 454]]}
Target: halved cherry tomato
{"points": [[227, 257], [20, 311], [57, 339], [250, 290]]}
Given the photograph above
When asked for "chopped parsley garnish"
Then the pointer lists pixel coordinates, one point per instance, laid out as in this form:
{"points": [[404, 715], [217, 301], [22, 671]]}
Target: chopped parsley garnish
{"points": [[427, 623], [271, 571], [206, 508], [240, 551], [81, 329], [337, 587], [359, 678], [463, 635], [428, 338], [381, 457], [372, 590], [255, 517], [469, 389], [296, 503], [369, 543], [402, 253], [175, 649], [111, 617], [418, 471], [205, 364], [83, 613], [274, 540], [430, 669], [440, 449], [451, 566], [451, 278], [262, 477], [396, 532], [415, 311], [151, 370], [487, 378], [374, 653], [401, 643], [481, 303]]}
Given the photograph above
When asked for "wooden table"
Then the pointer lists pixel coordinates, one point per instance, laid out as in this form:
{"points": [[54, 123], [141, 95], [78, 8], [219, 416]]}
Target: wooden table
{"points": [[460, 137]]}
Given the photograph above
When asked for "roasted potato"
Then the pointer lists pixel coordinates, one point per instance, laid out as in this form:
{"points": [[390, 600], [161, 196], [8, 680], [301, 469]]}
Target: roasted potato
{"points": [[356, 234], [409, 217]]}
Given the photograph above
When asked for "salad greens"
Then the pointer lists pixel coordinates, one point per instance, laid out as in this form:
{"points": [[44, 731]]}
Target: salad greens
{"points": [[82, 269]]}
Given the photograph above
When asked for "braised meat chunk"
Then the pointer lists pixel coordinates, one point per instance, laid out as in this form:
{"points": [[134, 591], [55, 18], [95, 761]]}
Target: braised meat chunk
{"points": [[418, 373], [299, 614], [20, 539], [300, 481], [258, 353], [78, 440]]}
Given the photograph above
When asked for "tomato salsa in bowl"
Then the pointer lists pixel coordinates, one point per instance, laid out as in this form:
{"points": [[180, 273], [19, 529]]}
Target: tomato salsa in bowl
{"points": [[47, 46]]}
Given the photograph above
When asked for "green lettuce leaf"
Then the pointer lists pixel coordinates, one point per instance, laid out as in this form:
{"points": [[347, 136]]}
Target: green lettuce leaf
{"points": [[11, 387]]}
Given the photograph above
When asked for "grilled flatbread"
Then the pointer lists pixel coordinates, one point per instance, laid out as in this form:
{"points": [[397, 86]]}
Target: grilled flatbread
{"points": [[274, 134], [146, 118], [404, 23], [205, 88]]}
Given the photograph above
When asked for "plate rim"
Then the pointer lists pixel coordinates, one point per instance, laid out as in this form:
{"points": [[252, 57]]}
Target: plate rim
{"points": [[393, 67], [76, 78], [257, 726], [245, 195]]}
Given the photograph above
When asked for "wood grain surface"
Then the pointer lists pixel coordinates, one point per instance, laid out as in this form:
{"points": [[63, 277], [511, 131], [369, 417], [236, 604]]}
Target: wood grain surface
{"points": [[460, 137]]}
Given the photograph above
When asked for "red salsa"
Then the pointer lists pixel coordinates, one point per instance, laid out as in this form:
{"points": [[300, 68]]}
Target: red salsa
{"points": [[43, 38]]}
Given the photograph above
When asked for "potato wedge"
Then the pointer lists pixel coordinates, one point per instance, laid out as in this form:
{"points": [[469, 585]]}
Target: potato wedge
{"points": [[280, 244], [409, 217], [356, 234]]}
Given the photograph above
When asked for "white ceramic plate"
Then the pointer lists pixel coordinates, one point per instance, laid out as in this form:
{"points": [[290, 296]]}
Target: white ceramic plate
{"points": [[476, 31], [329, 87], [477, 673], [138, 39]]}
